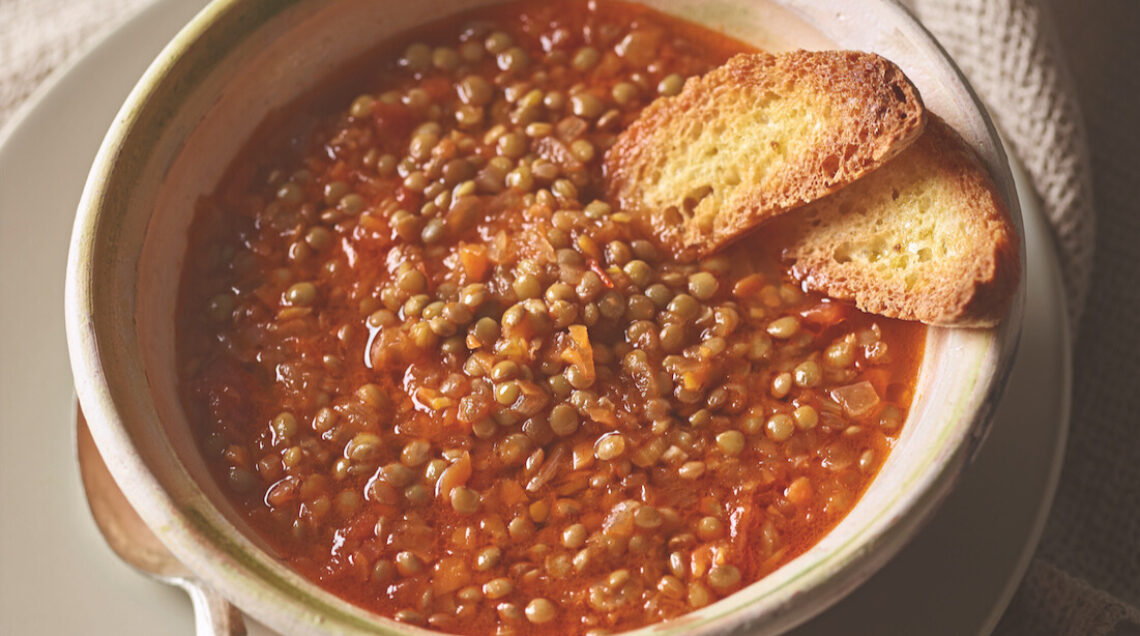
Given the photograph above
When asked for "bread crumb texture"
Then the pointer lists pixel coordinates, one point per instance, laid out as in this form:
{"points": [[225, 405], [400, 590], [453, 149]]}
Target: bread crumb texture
{"points": [[757, 137], [926, 237]]}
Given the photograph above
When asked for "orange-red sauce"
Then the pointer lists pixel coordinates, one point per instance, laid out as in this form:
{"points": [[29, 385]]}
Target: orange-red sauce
{"points": [[371, 437]]}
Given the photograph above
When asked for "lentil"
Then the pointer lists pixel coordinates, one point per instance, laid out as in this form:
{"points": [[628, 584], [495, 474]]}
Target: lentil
{"points": [[483, 382], [730, 442], [670, 85], [540, 611], [724, 576], [806, 416], [780, 427]]}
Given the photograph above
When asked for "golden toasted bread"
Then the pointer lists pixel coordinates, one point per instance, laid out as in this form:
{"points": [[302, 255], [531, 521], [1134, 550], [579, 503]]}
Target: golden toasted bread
{"points": [[926, 237], [757, 137]]}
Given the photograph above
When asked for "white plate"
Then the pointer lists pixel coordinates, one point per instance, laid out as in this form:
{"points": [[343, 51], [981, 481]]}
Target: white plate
{"points": [[58, 577]]}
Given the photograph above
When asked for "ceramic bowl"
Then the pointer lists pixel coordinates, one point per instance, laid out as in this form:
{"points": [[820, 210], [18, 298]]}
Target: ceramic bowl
{"points": [[191, 113]]}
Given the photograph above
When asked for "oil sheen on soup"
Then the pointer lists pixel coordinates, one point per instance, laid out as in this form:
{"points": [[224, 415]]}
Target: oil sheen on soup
{"points": [[445, 379]]}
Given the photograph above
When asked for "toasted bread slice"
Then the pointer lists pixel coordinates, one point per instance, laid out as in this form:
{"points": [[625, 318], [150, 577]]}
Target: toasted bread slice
{"points": [[757, 137], [926, 237]]}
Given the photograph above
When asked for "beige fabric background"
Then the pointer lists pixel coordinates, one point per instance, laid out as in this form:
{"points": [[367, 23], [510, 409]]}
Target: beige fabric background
{"points": [[1040, 64]]}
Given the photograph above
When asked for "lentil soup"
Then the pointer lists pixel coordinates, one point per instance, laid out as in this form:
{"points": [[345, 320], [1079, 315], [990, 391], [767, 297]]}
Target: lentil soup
{"points": [[447, 381]]}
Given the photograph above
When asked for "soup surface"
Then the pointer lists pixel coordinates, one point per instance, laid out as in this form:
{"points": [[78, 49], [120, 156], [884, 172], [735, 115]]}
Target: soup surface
{"points": [[449, 382]]}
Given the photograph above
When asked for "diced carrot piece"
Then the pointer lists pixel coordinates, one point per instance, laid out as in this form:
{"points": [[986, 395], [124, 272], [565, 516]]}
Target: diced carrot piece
{"points": [[799, 492], [748, 285], [511, 493], [824, 314], [578, 352], [454, 475], [473, 258]]}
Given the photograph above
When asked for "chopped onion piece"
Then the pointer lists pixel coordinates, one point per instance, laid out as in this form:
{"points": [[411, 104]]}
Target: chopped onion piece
{"points": [[619, 521], [548, 470], [856, 399]]}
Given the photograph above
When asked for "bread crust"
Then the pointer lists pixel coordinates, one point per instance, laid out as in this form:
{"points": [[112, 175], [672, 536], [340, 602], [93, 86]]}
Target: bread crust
{"points": [[854, 111], [970, 285]]}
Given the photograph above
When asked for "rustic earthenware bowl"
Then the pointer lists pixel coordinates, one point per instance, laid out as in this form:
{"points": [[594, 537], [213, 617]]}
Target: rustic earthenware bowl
{"points": [[192, 112]]}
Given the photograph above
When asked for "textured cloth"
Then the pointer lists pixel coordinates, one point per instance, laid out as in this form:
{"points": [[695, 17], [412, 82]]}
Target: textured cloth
{"points": [[1037, 64], [1032, 62], [1013, 60], [36, 36]]}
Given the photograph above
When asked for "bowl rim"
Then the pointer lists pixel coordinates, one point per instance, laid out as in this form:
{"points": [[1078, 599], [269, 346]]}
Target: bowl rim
{"points": [[211, 553]]}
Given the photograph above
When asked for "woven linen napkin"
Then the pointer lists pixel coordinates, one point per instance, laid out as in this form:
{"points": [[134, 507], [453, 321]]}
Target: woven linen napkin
{"points": [[1085, 578]]}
